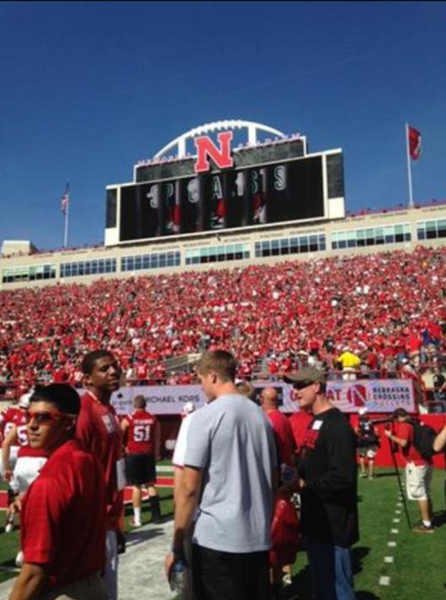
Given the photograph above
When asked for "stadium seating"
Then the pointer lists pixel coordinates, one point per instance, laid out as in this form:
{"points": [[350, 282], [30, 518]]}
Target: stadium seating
{"points": [[387, 308]]}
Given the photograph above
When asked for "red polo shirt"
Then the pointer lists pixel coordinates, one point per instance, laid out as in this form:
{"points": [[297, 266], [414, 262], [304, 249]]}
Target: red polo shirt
{"points": [[98, 430], [63, 516]]}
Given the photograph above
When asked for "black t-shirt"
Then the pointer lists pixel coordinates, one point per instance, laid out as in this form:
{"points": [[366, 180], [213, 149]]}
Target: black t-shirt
{"points": [[328, 466]]}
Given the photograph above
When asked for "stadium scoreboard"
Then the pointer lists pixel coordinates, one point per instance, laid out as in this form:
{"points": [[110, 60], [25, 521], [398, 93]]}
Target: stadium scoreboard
{"points": [[251, 186]]}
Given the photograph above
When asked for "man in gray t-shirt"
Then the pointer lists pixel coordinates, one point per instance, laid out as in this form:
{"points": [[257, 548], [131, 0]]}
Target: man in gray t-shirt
{"points": [[229, 474]]}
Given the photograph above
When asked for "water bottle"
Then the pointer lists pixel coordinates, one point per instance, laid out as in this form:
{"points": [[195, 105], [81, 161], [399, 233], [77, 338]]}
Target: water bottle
{"points": [[177, 576]]}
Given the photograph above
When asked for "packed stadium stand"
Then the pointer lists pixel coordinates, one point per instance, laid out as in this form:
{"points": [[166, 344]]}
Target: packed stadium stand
{"points": [[387, 308]]}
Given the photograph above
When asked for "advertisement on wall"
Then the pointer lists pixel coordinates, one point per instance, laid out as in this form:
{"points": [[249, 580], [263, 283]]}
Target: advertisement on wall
{"points": [[349, 396]]}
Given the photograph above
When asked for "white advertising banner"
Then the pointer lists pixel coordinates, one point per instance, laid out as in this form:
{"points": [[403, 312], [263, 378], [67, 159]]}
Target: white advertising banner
{"points": [[160, 399], [377, 395]]}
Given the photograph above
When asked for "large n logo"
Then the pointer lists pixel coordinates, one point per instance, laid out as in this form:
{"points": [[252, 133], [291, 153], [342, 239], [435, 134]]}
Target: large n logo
{"points": [[207, 149]]}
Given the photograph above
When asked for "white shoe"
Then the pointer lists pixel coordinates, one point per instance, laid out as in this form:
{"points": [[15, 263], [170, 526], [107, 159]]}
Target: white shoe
{"points": [[19, 559], [135, 523], [9, 527]]}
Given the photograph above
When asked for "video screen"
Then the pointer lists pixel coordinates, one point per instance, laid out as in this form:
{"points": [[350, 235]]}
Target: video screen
{"points": [[273, 193]]}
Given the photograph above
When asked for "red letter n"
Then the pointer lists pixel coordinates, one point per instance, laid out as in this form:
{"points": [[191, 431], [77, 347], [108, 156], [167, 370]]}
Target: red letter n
{"points": [[207, 149]]}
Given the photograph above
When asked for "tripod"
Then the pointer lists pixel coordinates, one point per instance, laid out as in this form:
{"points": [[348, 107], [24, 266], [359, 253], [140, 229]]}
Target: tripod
{"points": [[398, 476]]}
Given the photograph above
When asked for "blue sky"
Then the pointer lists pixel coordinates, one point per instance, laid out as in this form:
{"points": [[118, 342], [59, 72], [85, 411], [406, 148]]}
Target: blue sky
{"points": [[88, 89]]}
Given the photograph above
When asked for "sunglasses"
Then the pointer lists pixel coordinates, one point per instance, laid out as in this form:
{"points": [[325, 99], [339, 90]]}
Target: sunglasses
{"points": [[302, 384], [47, 416]]}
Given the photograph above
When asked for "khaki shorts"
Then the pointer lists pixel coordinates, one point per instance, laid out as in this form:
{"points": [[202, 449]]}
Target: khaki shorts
{"points": [[367, 452], [418, 480], [90, 588]]}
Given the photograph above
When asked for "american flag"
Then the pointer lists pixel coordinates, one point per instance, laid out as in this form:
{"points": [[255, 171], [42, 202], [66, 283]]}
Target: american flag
{"points": [[65, 202]]}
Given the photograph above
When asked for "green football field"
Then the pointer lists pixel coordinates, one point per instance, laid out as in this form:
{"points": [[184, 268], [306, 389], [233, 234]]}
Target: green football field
{"points": [[417, 570]]}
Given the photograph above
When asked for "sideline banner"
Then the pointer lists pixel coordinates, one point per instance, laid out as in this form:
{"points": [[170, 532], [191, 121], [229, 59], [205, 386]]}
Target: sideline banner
{"points": [[377, 395], [160, 399]]}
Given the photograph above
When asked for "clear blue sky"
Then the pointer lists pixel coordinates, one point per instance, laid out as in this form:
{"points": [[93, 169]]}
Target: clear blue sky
{"points": [[89, 88]]}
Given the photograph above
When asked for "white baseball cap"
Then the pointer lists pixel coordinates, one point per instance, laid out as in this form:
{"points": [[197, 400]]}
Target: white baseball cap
{"points": [[24, 400]]}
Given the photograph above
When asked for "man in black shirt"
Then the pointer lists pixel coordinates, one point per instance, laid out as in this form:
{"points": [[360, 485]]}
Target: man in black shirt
{"points": [[328, 475]]}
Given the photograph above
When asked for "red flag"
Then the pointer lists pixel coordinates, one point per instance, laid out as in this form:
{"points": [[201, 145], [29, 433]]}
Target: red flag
{"points": [[414, 143]]}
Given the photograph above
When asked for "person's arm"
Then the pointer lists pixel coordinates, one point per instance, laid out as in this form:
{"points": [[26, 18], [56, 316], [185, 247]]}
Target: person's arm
{"points": [[29, 584], [10, 440], [440, 440], [157, 440], [400, 441], [186, 500], [125, 425]]}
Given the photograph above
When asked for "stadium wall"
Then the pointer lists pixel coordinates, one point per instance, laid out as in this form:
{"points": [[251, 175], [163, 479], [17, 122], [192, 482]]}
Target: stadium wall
{"points": [[398, 229]]}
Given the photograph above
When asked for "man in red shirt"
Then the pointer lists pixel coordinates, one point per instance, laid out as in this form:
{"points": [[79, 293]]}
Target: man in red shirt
{"points": [[143, 447], [63, 512], [299, 422], [98, 429], [269, 402], [418, 469]]}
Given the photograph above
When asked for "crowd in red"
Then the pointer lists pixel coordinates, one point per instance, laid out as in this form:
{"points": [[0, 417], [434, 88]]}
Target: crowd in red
{"points": [[387, 308]]}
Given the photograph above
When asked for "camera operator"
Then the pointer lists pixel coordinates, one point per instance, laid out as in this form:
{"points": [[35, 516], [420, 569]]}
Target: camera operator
{"points": [[418, 470], [368, 443]]}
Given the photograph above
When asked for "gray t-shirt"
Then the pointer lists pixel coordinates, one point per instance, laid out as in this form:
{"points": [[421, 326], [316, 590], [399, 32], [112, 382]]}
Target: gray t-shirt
{"points": [[233, 442]]}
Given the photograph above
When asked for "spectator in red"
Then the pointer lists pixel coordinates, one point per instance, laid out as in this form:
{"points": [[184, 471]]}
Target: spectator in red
{"points": [[418, 469], [98, 429], [142, 433], [63, 544]]}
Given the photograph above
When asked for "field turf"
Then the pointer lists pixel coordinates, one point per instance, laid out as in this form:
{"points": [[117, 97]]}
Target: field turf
{"points": [[418, 570]]}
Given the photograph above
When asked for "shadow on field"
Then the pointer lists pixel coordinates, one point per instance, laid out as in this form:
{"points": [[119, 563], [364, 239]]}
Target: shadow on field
{"points": [[136, 536], [439, 518], [366, 596], [358, 555], [386, 474]]}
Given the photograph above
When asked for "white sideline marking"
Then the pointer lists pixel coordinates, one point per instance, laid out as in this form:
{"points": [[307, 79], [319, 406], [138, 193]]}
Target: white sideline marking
{"points": [[394, 531], [396, 520], [397, 512], [391, 544], [399, 504], [164, 469], [384, 580], [388, 559]]}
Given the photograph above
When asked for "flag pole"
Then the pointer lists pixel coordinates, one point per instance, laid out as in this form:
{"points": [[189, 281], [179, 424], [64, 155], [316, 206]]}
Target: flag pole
{"points": [[67, 212], [409, 168]]}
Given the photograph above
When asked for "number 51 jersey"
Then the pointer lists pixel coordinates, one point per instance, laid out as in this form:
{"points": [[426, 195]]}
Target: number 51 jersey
{"points": [[141, 432]]}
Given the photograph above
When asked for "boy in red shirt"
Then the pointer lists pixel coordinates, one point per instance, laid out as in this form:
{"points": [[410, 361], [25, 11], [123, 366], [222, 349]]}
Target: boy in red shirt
{"points": [[418, 469], [63, 512]]}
